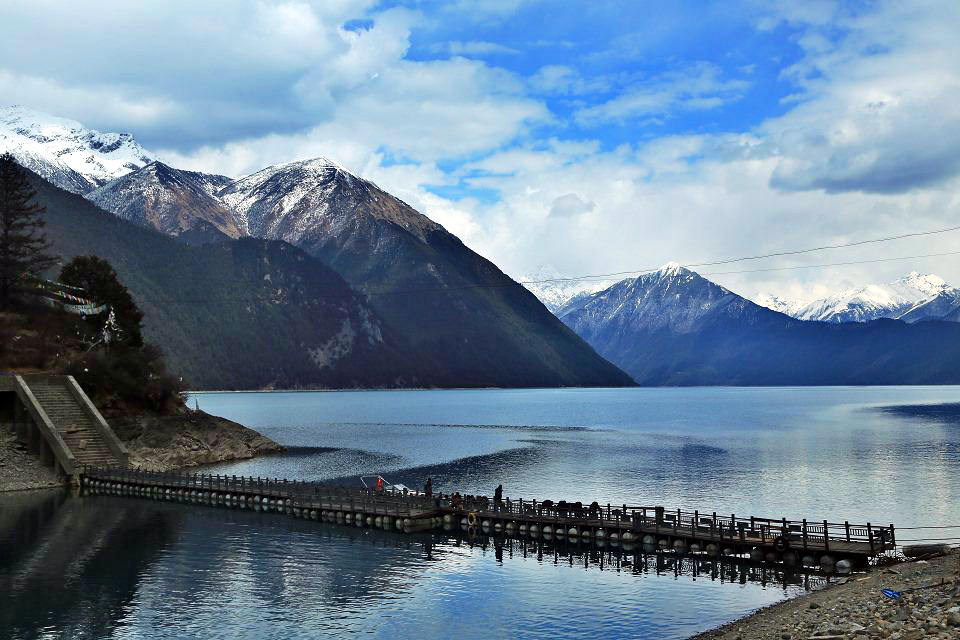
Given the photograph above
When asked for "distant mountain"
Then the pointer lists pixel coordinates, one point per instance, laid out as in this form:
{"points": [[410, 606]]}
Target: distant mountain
{"points": [[554, 290], [944, 306], [870, 302], [674, 327], [451, 303], [65, 152], [174, 202], [783, 305]]}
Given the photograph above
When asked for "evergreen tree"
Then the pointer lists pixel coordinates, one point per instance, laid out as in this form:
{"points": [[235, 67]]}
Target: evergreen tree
{"points": [[23, 245], [99, 280]]}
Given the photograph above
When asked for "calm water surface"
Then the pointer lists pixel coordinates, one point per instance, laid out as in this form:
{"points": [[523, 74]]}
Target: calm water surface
{"points": [[113, 567]]}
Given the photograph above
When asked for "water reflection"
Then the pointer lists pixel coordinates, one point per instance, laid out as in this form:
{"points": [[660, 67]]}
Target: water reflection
{"points": [[110, 566], [68, 567]]}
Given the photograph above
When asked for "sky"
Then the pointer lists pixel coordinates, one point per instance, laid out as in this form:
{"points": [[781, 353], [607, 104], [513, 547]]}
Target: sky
{"points": [[589, 137]]}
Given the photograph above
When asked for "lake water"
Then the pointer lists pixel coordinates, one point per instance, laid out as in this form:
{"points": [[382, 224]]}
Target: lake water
{"points": [[114, 567]]}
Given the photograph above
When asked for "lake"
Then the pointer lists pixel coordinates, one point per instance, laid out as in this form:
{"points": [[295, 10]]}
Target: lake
{"points": [[116, 567]]}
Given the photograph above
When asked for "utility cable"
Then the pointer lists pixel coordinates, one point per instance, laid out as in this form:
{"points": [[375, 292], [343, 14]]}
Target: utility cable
{"points": [[791, 252]]}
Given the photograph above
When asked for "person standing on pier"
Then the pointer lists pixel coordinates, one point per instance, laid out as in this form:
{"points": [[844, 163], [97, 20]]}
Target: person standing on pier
{"points": [[428, 489], [497, 497]]}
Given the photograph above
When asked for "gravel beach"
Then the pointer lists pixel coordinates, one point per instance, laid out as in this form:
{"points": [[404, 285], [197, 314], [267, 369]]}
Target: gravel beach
{"points": [[929, 607]]}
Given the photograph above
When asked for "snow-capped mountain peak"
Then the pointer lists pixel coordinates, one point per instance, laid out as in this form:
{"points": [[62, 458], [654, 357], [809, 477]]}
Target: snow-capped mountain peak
{"points": [[294, 200], [65, 152], [862, 304], [672, 298], [926, 283], [673, 269]]}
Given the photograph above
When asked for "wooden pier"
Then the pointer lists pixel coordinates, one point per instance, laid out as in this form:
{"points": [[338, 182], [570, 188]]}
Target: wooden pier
{"points": [[800, 543]]}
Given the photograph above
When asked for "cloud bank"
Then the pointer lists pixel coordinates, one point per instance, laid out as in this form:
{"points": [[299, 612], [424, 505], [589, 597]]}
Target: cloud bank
{"points": [[593, 146]]}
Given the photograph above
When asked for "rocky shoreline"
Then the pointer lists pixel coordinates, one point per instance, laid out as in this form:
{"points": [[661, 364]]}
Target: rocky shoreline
{"points": [[158, 443], [190, 439], [21, 470], [856, 608]]}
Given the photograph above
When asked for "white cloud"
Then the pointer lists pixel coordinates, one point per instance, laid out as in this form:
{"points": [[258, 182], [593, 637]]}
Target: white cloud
{"points": [[473, 48], [561, 79], [695, 87], [570, 205], [879, 106], [867, 146]]}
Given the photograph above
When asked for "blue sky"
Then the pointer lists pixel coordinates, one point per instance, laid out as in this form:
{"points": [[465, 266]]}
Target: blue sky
{"points": [[592, 137]]}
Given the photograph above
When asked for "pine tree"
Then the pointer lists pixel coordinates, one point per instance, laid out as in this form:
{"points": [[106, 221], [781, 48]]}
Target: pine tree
{"points": [[23, 245], [100, 283]]}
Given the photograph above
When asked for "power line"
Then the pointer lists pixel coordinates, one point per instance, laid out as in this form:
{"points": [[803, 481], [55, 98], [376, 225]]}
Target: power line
{"points": [[834, 264], [495, 285], [791, 252]]}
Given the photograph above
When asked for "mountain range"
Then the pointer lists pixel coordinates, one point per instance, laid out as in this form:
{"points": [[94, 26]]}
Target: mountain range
{"points": [[65, 152], [341, 264], [674, 327], [305, 275], [911, 298]]}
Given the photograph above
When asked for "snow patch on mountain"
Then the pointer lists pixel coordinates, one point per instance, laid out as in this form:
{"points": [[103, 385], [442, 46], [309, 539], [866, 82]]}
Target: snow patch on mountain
{"points": [[65, 152], [778, 303], [169, 200]]}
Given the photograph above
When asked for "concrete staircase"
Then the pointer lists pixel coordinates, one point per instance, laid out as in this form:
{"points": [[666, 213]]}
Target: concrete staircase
{"points": [[76, 421]]}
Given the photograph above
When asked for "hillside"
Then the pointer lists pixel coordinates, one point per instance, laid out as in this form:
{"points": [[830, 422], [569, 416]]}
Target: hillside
{"points": [[240, 314], [448, 301], [254, 313]]}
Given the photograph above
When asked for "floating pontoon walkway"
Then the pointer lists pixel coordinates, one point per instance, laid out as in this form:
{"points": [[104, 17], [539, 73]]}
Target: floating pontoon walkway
{"points": [[810, 543]]}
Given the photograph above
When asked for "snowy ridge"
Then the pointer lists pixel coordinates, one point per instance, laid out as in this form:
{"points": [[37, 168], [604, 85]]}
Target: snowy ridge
{"points": [[672, 297], [777, 303], [863, 304], [169, 200], [65, 152], [554, 291], [294, 200]]}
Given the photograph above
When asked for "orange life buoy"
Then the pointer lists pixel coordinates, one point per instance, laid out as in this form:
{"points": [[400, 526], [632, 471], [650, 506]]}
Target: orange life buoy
{"points": [[379, 483]]}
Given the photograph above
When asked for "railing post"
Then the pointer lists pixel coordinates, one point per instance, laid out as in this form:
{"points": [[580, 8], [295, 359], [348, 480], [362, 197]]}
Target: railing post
{"points": [[893, 536], [870, 536], [826, 536], [804, 533], [846, 525]]}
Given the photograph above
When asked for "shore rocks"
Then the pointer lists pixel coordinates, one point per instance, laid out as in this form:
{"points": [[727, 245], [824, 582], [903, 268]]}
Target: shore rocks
{"points": [[20, 469], [856, 608], [162, 443], [921, 550], [157, 443]]}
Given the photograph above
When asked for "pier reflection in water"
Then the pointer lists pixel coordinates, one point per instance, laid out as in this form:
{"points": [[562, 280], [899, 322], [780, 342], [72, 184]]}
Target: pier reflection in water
{"points": [[116, 567]]}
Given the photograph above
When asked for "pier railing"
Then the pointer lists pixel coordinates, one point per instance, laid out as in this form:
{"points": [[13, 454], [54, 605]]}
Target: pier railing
{"points": [[707, 525], [691, 525]]}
